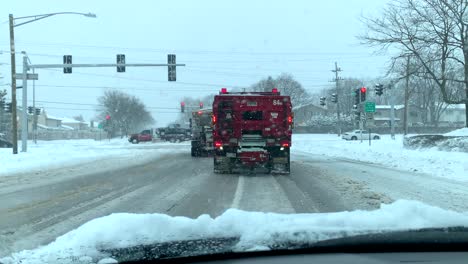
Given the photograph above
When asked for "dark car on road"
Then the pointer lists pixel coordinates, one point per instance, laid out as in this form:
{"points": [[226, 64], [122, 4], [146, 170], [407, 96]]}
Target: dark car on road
{"points": [[4, 143]]}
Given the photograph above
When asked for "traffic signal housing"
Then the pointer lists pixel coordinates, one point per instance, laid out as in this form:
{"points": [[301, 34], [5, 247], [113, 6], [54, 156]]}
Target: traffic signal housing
{"points": [[182, 107], [8, 107], [38, 111], [357, 96], [30, 110], [334, 98], [67, 59], [201, 105], [363, 91], [171, 70], [322, 101], [379, 89], [121, 60]]}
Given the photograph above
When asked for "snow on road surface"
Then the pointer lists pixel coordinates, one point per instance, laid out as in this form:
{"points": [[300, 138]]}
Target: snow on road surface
{"points": [[255, 229], [387, 152], [49, 155]]}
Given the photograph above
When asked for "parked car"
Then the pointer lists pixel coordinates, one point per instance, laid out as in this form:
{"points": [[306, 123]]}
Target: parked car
{"points": [[5, 144], [356, 134], [143, 136]]}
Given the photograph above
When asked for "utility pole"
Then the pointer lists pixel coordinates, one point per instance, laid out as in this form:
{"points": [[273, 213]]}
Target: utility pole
{"points": [[337, 78], [14, 123], [35, 116], [405, 113]]}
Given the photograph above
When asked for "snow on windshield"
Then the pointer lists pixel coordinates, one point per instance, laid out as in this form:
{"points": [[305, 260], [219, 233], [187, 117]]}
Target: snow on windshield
{"points": [[255, 229]]}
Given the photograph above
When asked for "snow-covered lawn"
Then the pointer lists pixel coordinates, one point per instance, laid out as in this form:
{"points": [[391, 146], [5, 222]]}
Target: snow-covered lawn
{"points": [[388, 152], [462, 132], [257, 231], [47, 155]]}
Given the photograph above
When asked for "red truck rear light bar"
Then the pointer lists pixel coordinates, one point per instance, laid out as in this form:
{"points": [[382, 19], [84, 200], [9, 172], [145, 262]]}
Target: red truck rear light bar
{"points": [[274, 91]]}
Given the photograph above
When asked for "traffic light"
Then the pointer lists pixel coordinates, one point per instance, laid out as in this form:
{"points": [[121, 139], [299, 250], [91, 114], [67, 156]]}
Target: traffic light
{"points": [[38, 111], [8, 107], [322, 101], [201, 105], [67, 59], [379, 89], [182, 107], [334, 98], [120, 60], [357, 96], [363, 94], [30, 110], [171, 70], [2, 104]]}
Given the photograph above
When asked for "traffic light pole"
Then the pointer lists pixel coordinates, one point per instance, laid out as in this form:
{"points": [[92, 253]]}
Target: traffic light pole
{"points": [[392, 117], [24, 115]]}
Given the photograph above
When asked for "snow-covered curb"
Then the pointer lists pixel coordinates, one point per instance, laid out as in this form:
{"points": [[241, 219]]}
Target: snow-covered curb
{"points": [[388, 152], [255, 229]]}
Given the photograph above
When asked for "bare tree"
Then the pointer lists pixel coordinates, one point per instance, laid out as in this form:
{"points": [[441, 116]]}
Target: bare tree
{"points": [[79, 118], [127, 113], [435, 32], [287, 85]]}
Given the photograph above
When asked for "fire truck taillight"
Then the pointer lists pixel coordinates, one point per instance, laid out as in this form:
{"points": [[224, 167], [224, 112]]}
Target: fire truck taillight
{"points": [[290, 119], [218, 144], [213, 119]]}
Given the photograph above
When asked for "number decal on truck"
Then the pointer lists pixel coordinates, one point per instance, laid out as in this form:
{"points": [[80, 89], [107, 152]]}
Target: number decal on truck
{"points": [[277, 102]]}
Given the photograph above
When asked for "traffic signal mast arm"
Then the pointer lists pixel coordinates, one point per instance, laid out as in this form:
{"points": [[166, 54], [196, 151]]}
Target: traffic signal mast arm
{"points": [[84, 65]]}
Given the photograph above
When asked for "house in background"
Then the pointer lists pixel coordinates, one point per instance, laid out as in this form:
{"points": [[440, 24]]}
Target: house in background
{"points": [[382, 115], [453, 115], [74, 124], [303, 113]]}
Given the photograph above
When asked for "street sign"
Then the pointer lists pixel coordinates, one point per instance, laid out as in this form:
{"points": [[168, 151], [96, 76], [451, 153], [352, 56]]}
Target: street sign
{"points": [[29, 76], [369, 107]]}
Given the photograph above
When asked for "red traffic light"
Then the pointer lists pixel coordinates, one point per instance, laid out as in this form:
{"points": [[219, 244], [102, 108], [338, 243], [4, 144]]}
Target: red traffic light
{"points": [[224, 90], [201, 104], [107, 117], [182, 103], [274, 90], [363, 89]]}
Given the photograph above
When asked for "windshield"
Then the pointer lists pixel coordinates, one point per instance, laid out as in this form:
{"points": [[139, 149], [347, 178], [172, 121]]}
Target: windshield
{"points": [[241, 125]]}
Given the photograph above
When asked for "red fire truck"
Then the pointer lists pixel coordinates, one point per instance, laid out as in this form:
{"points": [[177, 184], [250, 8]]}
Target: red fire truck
{"points": [[252, 130]]}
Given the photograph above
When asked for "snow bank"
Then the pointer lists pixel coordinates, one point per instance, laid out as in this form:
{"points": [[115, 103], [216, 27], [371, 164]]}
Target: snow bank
{"points": [[255, 229], [462, 132], [388, 152], [48, 155]]}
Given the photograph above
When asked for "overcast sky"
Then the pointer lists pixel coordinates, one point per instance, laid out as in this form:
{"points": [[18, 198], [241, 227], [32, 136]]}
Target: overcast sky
{"points": [[224, 44]]}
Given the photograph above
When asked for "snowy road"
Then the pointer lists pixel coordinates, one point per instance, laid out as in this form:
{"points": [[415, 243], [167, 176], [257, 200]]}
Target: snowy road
{"points": [[177, 184]]}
